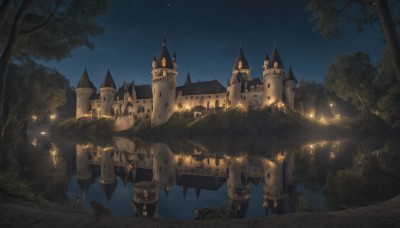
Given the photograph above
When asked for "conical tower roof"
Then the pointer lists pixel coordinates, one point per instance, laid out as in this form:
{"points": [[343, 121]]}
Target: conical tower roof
{"points": [[188, 79], [275, 57], [109, 189], [241, 59], [266, 58], [108, 81], [164, 54], [85, 82], [290, 75]]}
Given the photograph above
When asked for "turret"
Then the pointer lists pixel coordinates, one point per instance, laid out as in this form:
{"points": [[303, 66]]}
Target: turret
{"points": [[83, 90], [273, 79], [266, 62], [235, 90], [164, 87], [107, 94], [240, 75], [289, 85]]}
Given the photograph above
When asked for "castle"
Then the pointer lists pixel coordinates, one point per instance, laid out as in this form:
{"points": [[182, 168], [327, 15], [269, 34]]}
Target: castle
{"points": [[162, 98]]}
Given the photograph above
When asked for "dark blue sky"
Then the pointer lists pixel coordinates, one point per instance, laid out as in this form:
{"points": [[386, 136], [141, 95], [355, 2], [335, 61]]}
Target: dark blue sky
{"points": [[206, 36]]}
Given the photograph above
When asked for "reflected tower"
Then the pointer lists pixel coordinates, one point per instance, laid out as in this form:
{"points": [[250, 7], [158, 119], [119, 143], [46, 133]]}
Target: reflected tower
{"points": [[164, 169], [238, 189], [83, 175], [273, 184]]}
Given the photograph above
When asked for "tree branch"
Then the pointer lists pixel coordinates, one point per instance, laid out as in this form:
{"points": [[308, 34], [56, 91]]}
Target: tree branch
{"points": [[37, 27], [345, 6], [3, 11]]}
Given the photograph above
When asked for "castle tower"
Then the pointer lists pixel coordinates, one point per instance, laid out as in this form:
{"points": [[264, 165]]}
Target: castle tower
{"points": [[240, 75], [83, 90], [289, 85], [83, 172], [107, 95], [164, 86], [273, 76], [163, 165]]}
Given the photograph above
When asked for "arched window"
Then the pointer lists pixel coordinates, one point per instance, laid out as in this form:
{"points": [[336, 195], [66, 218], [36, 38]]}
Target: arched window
{"points": [[240, 64], [216, 104], [160, 94], [268, 85]]}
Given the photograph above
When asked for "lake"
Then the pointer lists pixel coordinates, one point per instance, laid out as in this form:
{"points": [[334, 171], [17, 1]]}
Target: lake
{"points": [[203, 178]]}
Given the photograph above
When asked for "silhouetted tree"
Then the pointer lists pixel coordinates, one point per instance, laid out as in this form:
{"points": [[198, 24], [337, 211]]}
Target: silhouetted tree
{"points": [[44, 30], [351, 78], [388, 92], [329, 16]]}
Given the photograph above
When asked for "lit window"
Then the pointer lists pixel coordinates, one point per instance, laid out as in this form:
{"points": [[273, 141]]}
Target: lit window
{"points": [[163, 62], [240, 64], [164, 73]]}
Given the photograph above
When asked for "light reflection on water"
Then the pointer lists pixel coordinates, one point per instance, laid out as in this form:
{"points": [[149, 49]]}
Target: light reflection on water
{"points": [[133, 177]]}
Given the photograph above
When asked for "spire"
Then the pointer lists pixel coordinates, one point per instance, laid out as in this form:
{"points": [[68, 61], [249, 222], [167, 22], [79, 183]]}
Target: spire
{"points": [[290, 75], [174, 57], [85, 82], [188, 80], [266, 55], [164, 59], [275, 58], [241, 61], [108, 81]]}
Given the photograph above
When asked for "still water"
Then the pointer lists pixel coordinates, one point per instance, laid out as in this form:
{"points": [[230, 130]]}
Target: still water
{"points": [[187, 179]]}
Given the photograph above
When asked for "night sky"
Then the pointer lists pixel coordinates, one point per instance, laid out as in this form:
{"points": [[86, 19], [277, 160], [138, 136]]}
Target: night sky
{"points": [[207, 35]]}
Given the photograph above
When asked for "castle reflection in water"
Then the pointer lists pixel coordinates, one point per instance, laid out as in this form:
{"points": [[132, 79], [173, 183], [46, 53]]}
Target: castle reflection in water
{"points": [[156, 166]]}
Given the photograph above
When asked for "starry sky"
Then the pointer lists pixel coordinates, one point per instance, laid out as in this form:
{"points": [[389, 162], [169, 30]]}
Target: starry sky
{"points": [[207, 35]]}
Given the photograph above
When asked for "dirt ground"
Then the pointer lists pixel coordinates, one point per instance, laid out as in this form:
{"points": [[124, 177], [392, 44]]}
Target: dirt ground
{"points": [[24, 213]]}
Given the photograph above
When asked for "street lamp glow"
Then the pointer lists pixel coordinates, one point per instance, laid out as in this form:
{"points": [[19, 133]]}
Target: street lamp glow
{"points": [[53, 116]]}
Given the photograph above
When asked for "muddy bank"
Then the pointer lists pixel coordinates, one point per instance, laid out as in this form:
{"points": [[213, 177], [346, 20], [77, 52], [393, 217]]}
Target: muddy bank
{"points": [[23, 213]]}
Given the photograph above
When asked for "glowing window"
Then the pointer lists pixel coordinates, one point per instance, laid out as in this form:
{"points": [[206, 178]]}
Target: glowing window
{"points": [[240, 64], [164, 73], [163, 62]]}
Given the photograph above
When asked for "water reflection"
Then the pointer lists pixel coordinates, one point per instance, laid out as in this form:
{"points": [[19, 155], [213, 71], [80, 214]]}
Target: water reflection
{"points": [[198, 180], [157, 167]]}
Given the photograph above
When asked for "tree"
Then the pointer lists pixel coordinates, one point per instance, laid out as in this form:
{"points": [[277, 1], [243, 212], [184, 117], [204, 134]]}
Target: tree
{"points": [[44, 30], [388, 91], [329, 16], [31, 90], [351, 77], [308, 97]]}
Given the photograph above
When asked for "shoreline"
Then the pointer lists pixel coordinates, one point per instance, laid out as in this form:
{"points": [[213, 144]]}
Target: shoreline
{"points": [[18, 212]]}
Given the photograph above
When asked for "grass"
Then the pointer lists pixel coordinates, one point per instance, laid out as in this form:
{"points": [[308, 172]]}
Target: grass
{"points": [[11, 184]]}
